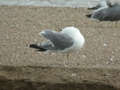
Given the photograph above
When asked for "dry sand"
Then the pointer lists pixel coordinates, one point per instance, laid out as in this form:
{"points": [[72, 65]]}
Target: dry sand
{"points": [[19, 27]]}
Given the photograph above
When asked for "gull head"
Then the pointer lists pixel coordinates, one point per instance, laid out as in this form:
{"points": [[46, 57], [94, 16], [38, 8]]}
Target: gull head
{"points": [[71, 31], [104, 3], [75, 34]]}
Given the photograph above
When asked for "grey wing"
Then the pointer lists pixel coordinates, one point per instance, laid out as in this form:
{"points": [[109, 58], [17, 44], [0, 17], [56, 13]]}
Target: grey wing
{"points": [[99, 15], [108, 14], [59, 40], [48, 45], [114, 13]]}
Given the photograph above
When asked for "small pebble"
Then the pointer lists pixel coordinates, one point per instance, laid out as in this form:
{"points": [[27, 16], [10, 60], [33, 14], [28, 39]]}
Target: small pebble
{"points": [[74, 75], [105, 44]]}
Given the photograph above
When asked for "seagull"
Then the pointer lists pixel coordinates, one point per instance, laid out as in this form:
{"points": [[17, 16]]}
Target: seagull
{"points": [[106, 12], [101, 3], [67, 41]]}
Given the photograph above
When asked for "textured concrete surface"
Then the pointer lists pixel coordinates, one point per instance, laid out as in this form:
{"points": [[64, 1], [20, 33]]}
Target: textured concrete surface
{"points": [[95, 66], [52, 3]]}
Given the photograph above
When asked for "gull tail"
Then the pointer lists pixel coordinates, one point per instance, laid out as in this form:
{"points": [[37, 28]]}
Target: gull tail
{"points": [[37, 47]]}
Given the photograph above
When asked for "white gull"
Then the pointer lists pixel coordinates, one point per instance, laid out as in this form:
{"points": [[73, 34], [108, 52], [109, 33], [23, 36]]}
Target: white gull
{"points": [[68, 40]]}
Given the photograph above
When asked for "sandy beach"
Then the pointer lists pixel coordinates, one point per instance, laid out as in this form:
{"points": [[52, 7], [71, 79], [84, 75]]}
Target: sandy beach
{"points": [[20, 27]]}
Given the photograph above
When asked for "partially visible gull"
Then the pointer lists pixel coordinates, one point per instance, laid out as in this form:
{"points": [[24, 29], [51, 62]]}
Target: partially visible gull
{"points": [[101, 3], [68, 40], [106, 12]]}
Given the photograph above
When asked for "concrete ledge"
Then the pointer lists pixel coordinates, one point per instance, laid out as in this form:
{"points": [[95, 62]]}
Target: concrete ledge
{"points": [[52, 3], [48, 3]]}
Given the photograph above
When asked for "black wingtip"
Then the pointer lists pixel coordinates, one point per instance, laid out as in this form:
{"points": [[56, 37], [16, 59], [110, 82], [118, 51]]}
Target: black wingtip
{"points": [[37, 47], [33, 46], [93, 8], [88, 15]]}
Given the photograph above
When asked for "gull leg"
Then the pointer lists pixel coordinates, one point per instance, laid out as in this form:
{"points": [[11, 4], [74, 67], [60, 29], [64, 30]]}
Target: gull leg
{"points": [[65, 65], [116, 23], [66, 61], [66, 56]]}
